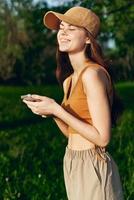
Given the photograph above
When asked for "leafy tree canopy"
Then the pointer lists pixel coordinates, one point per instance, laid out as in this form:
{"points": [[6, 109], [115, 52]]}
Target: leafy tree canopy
{"points": [[27, 48]]}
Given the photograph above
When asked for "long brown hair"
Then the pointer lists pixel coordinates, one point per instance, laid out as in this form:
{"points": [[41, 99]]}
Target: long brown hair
{"points": [[94, 52]]}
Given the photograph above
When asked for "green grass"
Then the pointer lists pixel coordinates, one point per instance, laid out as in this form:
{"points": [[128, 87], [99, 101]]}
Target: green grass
{"points": [[32, 148]]}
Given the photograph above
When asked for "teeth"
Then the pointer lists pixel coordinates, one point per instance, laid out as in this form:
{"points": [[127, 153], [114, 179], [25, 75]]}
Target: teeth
{"points": [[64, 40]]}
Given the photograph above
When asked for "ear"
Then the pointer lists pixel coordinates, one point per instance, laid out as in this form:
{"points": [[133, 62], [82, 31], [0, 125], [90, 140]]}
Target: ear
{"points": [[88, 41]]}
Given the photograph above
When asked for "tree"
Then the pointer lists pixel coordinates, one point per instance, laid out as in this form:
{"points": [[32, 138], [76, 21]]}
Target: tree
{"points": [[117, 17], [27, 48], [12, 38]]}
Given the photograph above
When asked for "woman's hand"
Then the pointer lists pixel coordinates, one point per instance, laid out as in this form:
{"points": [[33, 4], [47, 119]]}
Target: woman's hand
{"points": [[44, 106]]}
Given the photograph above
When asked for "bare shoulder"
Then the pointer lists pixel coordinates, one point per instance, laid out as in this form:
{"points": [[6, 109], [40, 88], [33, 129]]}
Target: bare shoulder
{"points": [[95, 75]]}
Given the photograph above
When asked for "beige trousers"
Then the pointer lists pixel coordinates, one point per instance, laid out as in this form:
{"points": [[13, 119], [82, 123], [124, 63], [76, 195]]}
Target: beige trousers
{"points": [[91, 175]]}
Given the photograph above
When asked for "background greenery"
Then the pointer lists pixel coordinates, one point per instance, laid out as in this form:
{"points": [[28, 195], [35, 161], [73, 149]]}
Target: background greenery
{"points": [[32, 148], [27, 48]]}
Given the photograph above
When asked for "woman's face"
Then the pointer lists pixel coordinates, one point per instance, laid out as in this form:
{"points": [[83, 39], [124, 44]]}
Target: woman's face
{"points": [[71, 39]]}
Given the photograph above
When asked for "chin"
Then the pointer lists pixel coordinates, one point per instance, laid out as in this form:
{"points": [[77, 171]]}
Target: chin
{"points": [[63, 49]]}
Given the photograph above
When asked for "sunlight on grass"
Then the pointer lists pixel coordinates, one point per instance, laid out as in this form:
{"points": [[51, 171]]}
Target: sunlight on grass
{"points": [[32, 148]]}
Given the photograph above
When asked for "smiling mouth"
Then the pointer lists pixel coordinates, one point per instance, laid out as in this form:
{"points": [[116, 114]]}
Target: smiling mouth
{"points": [[64, 40]]}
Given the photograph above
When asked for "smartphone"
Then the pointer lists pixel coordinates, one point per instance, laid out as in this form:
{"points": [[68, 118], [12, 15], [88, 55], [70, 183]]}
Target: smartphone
{"points": [[28, 97]]}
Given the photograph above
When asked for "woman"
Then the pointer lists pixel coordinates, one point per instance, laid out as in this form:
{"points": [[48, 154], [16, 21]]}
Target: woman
{"points": [[84, 116]]}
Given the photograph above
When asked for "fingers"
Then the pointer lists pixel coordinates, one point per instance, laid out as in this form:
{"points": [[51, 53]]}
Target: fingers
{"points": [[30, 103], [42, 98], [35, 96], [35, 112], [37, 107], [34, 109], [44, 116]]}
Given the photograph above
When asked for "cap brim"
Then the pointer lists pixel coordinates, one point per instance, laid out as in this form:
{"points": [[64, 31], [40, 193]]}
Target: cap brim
{"points": [[52, 20]]}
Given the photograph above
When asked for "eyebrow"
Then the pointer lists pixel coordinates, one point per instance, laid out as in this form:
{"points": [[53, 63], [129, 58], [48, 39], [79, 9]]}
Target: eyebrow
{"points": [[68, 24]]}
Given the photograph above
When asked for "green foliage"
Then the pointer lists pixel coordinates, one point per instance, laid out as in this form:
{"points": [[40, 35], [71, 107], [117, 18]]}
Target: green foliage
{"points": [[32, 148], [27, 48], [25, 58], [121, 144], [117, 17]]}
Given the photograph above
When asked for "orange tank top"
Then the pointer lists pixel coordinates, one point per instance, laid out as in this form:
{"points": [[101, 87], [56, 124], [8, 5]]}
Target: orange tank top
{"points": [[76, 102]]}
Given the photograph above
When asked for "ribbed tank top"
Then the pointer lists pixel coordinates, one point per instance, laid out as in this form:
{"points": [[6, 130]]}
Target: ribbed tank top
{"points": [[76, 102]]}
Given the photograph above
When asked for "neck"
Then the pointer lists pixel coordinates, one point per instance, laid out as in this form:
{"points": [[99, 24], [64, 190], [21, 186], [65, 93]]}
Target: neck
{"points": [[78, 61]]}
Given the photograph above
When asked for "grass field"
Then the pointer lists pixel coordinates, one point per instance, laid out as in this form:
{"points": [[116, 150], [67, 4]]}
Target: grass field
{"points": [[32, 148]]}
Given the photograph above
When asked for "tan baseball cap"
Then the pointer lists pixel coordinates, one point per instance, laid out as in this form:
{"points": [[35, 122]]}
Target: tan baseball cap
{"points": [[77, 16]]}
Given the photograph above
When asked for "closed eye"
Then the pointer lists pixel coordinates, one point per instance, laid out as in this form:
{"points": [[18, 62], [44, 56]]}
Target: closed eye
{"points": [[70, 27]]}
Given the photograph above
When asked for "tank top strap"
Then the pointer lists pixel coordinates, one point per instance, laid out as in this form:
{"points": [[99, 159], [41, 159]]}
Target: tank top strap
{"points": [[69, 83], [69, 80], [110, 96], [82, 71], [93, 65], [68, 86], [97, 65]]}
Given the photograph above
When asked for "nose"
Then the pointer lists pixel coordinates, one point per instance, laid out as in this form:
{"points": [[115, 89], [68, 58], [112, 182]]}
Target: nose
{"points": [[64, 31]]}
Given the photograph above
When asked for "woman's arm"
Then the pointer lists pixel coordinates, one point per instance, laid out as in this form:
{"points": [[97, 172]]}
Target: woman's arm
{"points": [[99, 133], [43, 107], [94, 82], [62, 126]]}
